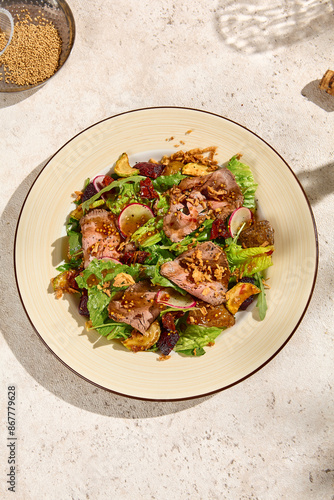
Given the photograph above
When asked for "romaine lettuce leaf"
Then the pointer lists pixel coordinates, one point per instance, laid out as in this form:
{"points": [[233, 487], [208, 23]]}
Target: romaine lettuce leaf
{"points": [[151, 226], [244, 177], [248, 260], [255, 264], [195, 337]]}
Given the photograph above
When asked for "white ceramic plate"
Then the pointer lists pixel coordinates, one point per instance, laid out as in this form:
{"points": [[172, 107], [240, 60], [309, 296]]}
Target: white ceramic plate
{"points": [[241, 350]]}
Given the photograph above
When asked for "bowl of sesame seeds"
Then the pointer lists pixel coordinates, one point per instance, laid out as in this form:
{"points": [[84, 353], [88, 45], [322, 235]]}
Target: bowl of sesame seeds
{"points": [[44, 32]]}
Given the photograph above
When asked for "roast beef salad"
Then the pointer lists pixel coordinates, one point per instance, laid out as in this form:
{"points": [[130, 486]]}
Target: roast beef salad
{"points": [[162, 255]]}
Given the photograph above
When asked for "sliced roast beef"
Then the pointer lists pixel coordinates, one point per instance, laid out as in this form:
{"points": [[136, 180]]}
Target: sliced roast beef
{"points": [[220, 189], [202, 271], [185, 214], [217, 194], [100, 237], [260, 233], [136, 306]]}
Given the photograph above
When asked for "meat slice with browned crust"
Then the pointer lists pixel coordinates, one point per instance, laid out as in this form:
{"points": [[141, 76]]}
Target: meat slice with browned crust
{"points": [[202, 271], [100, 236], [261, 233], [136, 306]]}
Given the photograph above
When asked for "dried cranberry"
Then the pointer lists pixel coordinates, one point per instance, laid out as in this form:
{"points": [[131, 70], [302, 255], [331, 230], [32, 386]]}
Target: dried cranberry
{"points": [[168, 322], [167, 341], [219, 230], [71, 275], [83, 310], [133, 257], [147, 189], [152, 170], [107, 180], [89, 192]]}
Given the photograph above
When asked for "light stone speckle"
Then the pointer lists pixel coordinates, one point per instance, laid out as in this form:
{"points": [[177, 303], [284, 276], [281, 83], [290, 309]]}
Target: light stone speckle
{"points": [[269, 437]]}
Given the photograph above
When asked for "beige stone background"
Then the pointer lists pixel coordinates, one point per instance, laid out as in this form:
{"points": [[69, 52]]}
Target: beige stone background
{"points": [[270, 437]]}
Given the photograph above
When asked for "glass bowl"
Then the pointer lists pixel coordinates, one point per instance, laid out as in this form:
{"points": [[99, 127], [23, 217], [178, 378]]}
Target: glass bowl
{"points": [[56, 11]]}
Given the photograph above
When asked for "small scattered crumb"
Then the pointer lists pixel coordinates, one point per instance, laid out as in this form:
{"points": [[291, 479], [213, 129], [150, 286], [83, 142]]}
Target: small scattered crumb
{"points": [[163, 357], [88, 325], [188, 132]]}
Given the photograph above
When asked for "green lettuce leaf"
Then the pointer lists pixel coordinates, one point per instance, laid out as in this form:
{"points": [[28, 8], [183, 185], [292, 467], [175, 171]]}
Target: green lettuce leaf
{"points": [[162, 205], [198, 351], [74, 235], [157, 253], [113, 330], [165, 182], [248, 260], [107, 270], [261, 303], [97, 305], [195, 337], [128, 193], [255, 264], [74, 263], [152, 225], [120, 184], [244, 177]]}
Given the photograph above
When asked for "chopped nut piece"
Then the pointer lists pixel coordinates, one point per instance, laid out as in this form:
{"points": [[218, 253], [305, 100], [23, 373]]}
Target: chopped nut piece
{"points": [[123, 279]]}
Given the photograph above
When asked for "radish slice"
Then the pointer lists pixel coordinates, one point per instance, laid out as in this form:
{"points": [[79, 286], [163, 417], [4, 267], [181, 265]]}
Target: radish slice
{"points": [[170, 297], [132, 217], [238, 217], [98, 182]]}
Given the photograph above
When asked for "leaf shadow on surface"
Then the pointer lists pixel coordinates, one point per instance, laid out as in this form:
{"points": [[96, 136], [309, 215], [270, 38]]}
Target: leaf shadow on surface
{"points": [[318, 183], [36, 358], [255, 27], [319, 97]]}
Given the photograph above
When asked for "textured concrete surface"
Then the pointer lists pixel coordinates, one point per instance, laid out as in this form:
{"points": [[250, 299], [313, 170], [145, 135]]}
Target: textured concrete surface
{"points": [[268, 438]]}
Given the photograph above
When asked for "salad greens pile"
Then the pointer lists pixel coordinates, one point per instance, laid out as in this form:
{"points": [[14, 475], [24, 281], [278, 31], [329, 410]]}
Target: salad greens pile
{"points": [[150, 237]]}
